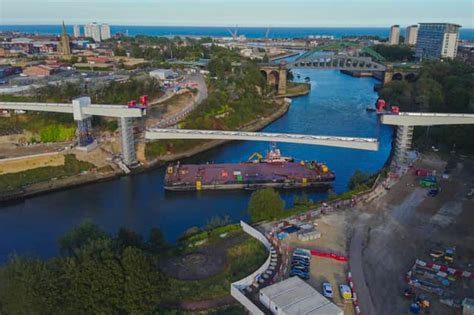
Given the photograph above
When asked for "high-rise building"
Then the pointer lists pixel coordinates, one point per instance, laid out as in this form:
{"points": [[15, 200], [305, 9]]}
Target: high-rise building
{"points": [[437, 40], [87, 30], [64, 47], [77, 31], [94, 31], [411, 34], [394, 38], [105, 31]]}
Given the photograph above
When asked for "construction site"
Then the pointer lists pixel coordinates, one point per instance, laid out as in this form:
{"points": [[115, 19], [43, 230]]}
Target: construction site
{"points": [[409, 247]]}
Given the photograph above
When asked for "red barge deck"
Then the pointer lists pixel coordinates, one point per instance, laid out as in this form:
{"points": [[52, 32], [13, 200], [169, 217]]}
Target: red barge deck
{"points": [[274, 171]]}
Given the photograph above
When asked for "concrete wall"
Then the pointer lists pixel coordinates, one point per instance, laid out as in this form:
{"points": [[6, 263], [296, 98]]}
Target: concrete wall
{"points": [[247, 281]]}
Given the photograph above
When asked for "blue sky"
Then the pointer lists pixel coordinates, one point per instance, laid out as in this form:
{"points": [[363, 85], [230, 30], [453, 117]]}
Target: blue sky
{"points": [[242, 12]]}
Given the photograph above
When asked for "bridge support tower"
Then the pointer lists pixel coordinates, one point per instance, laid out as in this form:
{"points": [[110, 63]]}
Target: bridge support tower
{"points": [[403, 143], [128, 142], [84, 123], [276, 76]]}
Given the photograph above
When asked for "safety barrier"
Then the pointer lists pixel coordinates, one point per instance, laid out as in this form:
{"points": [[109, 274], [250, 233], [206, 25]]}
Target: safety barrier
{"points": [[355, 300], [329, 255], [446, 269]]}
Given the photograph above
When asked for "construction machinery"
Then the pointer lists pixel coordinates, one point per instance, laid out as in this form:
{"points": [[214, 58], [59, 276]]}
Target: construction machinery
{"points": [[385, 108], [255, 155]]}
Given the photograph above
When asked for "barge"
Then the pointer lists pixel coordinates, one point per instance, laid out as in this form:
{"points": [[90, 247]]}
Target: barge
{"points": [[273, 171]]}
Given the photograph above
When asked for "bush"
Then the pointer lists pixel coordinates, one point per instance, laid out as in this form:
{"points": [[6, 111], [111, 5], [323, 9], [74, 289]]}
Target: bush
{"points": [[265, 204], [57, 133]]}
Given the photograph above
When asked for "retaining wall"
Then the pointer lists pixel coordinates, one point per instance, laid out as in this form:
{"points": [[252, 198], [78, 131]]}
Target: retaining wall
{"points": [[236, 287]]}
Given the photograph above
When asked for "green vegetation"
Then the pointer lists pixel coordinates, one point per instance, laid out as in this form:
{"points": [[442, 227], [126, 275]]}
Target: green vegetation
{"points": [[442, 86], [99, 273], [359, 179], [237, 96], [72, 166], [102, 275], [395, 52], [56, 133], [265, 204]]}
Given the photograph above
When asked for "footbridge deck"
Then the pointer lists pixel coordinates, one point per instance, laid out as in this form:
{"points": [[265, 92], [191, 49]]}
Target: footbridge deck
{"points": [[427, 119], [119, 111], [343, 142]]}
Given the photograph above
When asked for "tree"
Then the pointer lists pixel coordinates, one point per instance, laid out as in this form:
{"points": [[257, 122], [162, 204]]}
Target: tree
{"points": [[128, 238], [265, 59], [80, 236], [265, 204], [157, 242], [119, 51], [358, 179]]}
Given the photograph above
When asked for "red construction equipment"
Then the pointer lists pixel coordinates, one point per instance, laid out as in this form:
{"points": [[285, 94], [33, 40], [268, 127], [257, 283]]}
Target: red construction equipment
{"points": [[384, 108], [143, 102]]}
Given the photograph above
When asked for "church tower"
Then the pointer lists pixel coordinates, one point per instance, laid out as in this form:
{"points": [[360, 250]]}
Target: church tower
{"points": [[64, 47]]}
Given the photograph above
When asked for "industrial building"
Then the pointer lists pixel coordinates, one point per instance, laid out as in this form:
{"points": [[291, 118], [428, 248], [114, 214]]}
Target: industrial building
{"points": [[394, 38], [294, 296], [437, 40]]}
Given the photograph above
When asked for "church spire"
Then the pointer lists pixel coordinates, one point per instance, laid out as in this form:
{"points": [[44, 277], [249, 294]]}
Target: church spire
{"points": [[64, 32]]}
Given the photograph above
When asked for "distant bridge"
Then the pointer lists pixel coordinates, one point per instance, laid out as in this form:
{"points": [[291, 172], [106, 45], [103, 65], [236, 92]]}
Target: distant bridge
{"points": [[338, 62], [343, 142]]}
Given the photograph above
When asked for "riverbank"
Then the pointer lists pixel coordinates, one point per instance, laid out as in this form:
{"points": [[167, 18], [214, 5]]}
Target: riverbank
{"points": [[294, 89]]}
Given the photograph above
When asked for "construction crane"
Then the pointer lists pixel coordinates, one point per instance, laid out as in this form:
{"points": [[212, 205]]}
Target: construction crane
{"points": [[234, 33], [267, 34]]}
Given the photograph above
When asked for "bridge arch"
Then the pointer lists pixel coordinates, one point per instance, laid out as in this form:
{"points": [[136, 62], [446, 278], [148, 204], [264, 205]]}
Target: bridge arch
{"points": [[397, 76], [410, 76]]}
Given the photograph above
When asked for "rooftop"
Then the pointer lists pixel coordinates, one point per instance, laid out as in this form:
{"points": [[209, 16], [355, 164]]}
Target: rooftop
{"points": [[294, 296]]}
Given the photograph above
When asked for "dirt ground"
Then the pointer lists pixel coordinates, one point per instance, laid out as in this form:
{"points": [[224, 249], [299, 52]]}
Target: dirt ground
{"points": [[12, 149], [406, 224], [333, 228], [203, 263], [24, 164]]}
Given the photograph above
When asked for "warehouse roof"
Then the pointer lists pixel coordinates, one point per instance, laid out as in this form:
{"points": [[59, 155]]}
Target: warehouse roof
{"points": [[294, 296]]}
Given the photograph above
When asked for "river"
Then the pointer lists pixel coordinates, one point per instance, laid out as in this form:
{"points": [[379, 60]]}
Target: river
{"points": [[335, 106]]}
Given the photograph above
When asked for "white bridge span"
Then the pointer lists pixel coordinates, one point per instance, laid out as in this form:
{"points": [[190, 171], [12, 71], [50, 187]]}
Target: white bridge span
{"points": [[427, 119], [342, 142]]}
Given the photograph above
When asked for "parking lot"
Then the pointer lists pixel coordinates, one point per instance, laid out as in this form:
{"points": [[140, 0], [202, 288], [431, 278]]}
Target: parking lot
{"points": [[333, 228]]}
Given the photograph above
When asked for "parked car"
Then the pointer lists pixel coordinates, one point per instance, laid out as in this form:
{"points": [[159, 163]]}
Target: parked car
{"points": [[300, 267], [296, 254], [327, 290], [302, 253], [300, 274], [300, 261], [346, 292]]}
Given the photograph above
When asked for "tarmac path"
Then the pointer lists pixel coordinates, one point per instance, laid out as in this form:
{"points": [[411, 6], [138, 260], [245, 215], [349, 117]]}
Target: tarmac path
{"points": [[357, 269]]}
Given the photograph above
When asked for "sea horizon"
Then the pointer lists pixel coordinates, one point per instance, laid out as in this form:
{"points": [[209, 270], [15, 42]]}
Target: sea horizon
{"points": [[223, 31]]}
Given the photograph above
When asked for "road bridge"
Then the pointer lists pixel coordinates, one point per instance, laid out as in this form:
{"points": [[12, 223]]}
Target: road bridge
{"points": [[342, 142], [82, 111], [406, 122]]}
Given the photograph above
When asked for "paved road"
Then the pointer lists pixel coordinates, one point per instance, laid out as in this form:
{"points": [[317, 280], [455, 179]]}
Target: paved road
{"points": [[357, 268]]}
